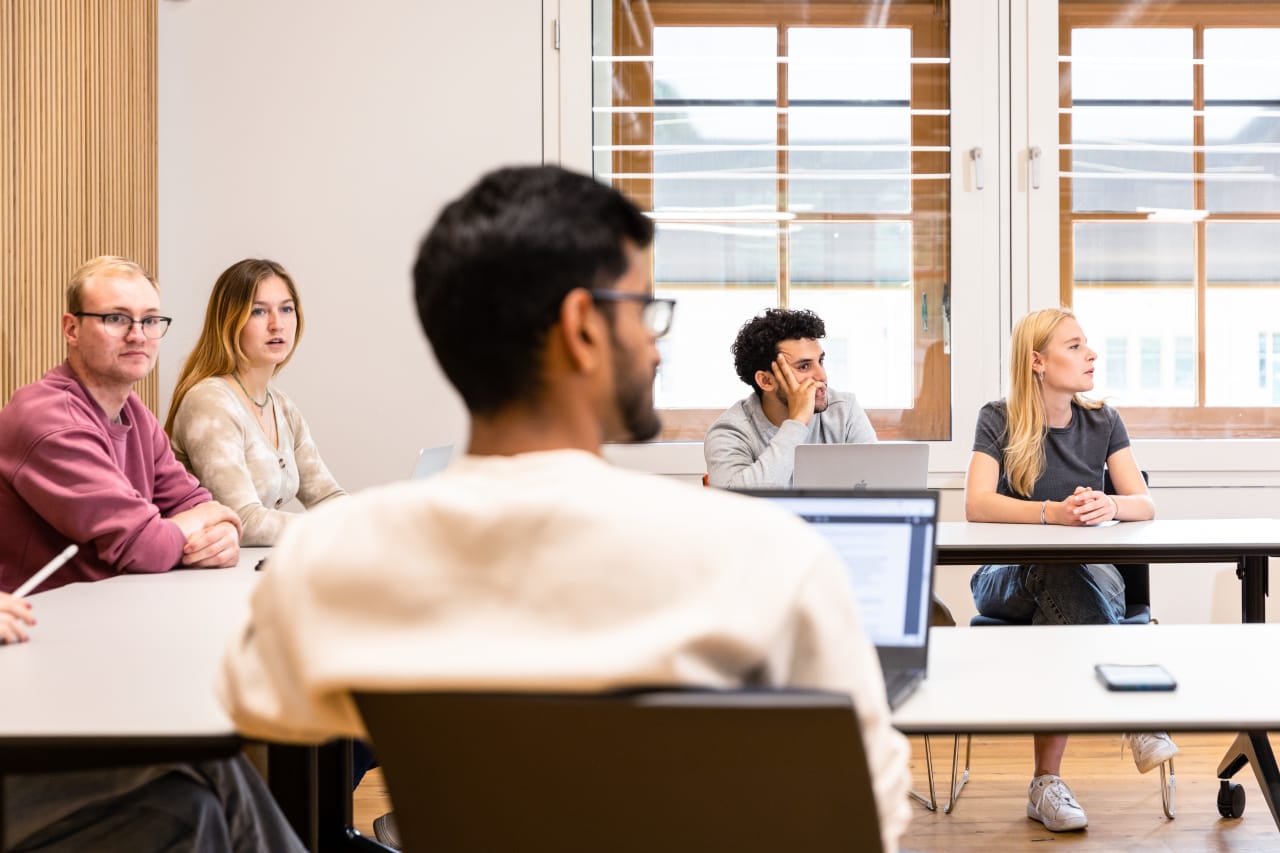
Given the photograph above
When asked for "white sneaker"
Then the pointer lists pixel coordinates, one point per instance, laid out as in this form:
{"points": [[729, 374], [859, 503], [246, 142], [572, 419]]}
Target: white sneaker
{"points": [[1051, 802], [1150, 749]]}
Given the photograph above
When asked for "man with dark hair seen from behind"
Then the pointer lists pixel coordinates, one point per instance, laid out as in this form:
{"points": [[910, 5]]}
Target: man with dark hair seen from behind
{"points": [[753, 444], [531, 563]]}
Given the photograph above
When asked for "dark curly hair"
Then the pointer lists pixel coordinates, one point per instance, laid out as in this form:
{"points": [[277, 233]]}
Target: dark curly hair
{"points": [[756, 346], [495, 267]]}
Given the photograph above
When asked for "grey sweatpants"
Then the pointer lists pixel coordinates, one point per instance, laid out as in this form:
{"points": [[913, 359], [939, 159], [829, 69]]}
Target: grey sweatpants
{"points": [[213, 806]]}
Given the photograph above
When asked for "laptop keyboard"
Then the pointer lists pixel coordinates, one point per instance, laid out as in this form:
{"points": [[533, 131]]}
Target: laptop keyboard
{"points": [[898, 685]]}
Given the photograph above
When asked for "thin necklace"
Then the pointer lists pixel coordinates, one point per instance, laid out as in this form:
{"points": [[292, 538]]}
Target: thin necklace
{"points": [[262, 407]]}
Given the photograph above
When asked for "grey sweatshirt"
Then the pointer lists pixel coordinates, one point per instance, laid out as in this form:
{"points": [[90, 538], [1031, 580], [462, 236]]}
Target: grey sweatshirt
{"points": [[744, 450]]}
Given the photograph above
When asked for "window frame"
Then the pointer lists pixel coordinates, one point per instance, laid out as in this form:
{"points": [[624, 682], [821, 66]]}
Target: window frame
{"points": [[1198, 421], [930, 213]]}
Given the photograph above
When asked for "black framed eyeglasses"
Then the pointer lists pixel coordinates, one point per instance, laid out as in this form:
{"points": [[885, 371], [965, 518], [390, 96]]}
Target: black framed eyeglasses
{"points": [[118, 325], [656, 314]]}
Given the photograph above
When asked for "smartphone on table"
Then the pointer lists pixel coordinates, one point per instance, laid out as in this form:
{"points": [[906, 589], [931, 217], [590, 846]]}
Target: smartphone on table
{"points": [[1135, 676]]}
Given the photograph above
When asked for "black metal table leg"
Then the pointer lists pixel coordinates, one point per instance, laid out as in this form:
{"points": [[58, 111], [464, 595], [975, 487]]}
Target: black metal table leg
{"points": [[1254, 747]]}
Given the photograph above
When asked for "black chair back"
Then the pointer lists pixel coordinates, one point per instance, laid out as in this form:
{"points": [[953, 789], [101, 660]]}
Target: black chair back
{"points": [[668, 770], [1137, 576]]}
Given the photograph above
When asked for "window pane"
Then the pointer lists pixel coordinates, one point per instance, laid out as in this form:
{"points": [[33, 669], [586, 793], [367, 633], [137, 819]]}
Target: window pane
{"points": [[849, 92], [1122, 270], [1242, 307], [789, 154], [1133, 252], [714, 121], [1242, 111], [1184, 364], [716, 252], [1114, 370], [1131, 98], [720, 274], [869, 343], [850, 252], [1141, 327], [697, 367]]}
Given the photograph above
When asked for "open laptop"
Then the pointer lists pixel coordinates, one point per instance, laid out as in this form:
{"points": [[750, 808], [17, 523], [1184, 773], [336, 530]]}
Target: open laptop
{"points": [[884, 465], [432, 460], [887, 540]]}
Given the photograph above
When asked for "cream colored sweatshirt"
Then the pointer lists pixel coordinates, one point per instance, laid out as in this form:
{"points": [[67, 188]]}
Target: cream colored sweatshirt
{"points": [[553, 571]]}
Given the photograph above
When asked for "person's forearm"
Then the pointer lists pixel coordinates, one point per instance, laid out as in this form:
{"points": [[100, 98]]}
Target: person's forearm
{"points": [[1134, 507], [995, 507]]}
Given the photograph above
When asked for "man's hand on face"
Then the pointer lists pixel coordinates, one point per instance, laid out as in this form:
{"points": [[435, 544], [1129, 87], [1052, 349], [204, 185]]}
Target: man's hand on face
{"points": [[801, 394]]}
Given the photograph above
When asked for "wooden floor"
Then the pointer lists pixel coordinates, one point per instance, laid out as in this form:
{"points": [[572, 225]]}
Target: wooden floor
{"points": [[1123, 805]]}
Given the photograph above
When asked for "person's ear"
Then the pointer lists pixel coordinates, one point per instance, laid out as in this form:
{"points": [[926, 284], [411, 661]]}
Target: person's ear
{"points": [[582, 329], [1037, 362], [70, 329], [766, 380]]}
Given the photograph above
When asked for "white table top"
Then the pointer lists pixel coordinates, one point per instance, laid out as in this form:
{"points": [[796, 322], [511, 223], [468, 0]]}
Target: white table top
{"points": [[141, 651], [1041, 678], [1180, 538]]}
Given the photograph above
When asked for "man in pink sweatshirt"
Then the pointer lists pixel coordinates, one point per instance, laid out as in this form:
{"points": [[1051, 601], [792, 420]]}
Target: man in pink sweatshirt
{"points": [[83, 460]]}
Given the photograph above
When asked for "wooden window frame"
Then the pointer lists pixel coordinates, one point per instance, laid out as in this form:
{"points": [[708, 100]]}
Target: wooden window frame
{"points": [[1200, 420], [929, 215]]}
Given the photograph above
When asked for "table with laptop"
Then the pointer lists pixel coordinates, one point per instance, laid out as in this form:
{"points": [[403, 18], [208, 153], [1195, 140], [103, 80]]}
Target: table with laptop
{"points": [[891, 540]]}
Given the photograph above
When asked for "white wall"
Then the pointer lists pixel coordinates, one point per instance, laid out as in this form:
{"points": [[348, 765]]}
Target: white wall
{"points": [[326, 135]]}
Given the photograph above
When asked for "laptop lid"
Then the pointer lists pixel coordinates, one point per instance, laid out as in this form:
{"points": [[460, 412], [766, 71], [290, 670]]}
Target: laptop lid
{"points": [[888, 542], [432, 460], [884, 465]]}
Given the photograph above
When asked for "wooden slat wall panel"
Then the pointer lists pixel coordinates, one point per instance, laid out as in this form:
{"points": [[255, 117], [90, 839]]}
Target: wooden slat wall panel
{"points": [[78, 123]]}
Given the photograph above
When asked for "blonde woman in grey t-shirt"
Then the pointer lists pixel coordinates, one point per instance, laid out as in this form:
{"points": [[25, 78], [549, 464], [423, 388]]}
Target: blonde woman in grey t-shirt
{"points": [[239, 434], [1038, 458]]}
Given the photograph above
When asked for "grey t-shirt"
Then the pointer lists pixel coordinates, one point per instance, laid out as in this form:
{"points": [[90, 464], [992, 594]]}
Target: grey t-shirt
{"points": [[1075, 455]]}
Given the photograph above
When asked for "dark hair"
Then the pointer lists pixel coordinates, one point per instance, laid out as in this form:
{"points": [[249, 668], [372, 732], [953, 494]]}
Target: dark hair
{"points": [[756, 346], [495, 267]]}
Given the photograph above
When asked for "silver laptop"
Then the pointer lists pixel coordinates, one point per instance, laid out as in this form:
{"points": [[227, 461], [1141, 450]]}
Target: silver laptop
{"points": [[885, 465], [432, 460], [888, 543]]}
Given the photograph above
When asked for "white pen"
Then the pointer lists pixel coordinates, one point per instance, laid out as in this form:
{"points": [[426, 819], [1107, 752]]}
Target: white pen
{"points": [[48, 569]]}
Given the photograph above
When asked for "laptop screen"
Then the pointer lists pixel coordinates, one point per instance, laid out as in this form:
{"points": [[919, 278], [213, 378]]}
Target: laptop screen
{"points": [[886, 540]]}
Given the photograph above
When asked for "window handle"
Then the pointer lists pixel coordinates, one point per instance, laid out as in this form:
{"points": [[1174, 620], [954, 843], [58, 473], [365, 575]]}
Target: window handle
{"points": [[1033, 159], [975, 159]]}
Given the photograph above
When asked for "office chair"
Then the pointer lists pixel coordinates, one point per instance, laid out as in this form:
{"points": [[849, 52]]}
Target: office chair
{"points": [[1137, 606], [670, 770]]}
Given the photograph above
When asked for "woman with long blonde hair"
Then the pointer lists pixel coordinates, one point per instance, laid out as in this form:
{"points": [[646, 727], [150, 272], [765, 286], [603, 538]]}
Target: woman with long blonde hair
{"points": [[239, 434], [1039, 457]]}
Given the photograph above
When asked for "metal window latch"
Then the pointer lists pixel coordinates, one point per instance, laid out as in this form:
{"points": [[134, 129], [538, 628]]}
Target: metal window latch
{"points": [[975, 159], [1033, 160]]}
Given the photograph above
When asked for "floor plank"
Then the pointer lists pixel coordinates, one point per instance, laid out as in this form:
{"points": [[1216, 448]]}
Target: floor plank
{"points": [[369, 801]]}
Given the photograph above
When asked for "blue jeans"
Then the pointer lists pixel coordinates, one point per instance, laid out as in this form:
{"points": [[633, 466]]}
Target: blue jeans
{"points": [[1079, 594]]}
